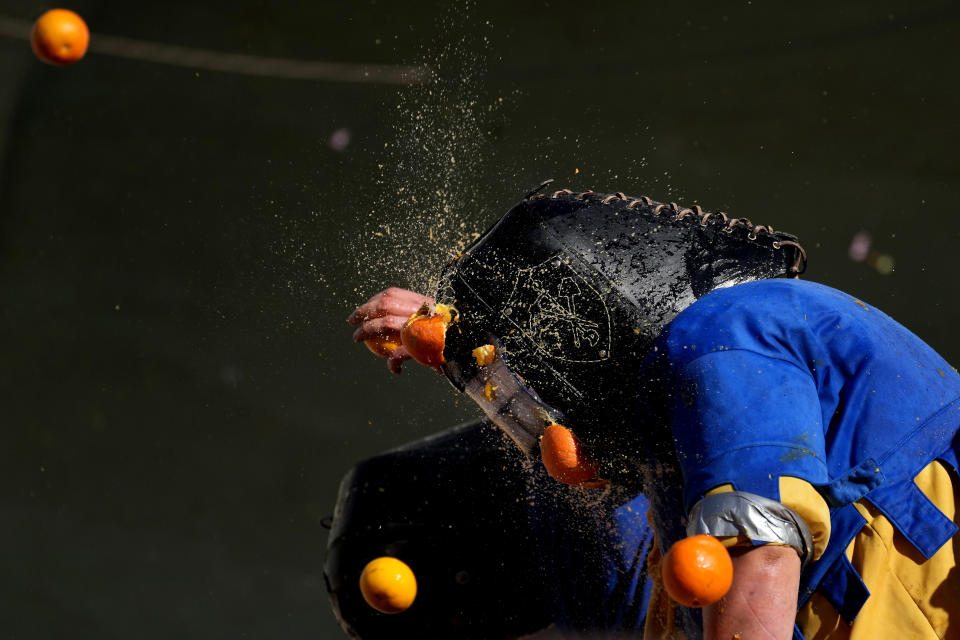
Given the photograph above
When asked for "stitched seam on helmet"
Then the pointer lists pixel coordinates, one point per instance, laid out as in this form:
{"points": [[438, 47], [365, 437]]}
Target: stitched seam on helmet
{"points": [[799, 266]]}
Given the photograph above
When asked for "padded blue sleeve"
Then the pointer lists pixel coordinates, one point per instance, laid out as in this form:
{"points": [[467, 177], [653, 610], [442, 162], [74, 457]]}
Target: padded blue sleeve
{"points": [[746, 419]]}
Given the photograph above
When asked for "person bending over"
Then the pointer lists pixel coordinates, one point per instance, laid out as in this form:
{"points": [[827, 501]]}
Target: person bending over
{"points": [[804, 428]]}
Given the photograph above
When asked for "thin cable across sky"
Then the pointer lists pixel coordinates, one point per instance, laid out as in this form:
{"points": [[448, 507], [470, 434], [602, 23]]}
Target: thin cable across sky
{"points": [[209, 60]]}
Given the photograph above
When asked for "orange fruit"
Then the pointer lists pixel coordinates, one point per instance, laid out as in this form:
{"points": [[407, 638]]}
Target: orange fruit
{"points": [[484, 355], [425, 333], [697, 571], [60, 37], [381, 345], [563, 456], [388, 585]]}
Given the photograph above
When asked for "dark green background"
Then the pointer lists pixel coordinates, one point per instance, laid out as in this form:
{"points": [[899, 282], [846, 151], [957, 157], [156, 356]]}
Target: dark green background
{"points": [[179, 248]]}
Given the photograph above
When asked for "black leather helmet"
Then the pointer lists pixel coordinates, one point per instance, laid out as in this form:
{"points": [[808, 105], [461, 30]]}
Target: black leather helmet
{"points": [[573, 288], [454, 508]]}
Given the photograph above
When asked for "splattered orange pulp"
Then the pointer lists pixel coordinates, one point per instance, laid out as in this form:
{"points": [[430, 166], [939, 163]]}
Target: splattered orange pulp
{"points": [[424, 334]]}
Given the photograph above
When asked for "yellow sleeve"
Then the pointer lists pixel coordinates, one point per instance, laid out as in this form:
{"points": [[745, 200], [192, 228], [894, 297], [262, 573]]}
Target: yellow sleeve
{"points": [[807, 502]]}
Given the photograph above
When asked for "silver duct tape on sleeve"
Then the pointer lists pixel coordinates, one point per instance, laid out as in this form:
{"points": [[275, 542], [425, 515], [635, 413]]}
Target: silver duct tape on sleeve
{"points": [[738, 513]]}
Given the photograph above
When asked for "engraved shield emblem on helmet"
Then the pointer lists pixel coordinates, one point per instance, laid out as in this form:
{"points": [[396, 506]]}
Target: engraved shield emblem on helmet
{"points": [[560, 312]]}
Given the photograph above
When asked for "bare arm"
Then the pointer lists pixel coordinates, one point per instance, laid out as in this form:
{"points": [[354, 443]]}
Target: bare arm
{"points": [[762, 603]]}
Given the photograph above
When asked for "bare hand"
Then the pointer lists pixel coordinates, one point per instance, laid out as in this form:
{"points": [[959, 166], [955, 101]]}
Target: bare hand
{"points": [[383, 315]]}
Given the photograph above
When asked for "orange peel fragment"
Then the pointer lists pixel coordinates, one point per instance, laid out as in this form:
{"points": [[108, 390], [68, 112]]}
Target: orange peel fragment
{"points": [[484, 355], [424, 333]]}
